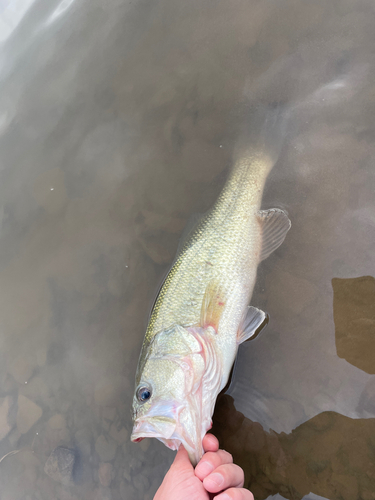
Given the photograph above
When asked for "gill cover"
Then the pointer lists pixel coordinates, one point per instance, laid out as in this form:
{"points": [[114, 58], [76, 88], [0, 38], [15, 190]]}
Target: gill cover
{"points": [[183, 370]]}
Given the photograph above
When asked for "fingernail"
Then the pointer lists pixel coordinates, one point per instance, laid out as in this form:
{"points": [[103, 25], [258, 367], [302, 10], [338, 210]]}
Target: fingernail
{"points": [[216, 479], [204, 468], [223, 496]]}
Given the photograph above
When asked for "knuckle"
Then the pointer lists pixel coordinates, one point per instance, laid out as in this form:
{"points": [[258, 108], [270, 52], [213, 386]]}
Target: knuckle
{"points": [[238, 469], [240, 494], [226, 456], [240, 472], [209, 456], [239, 475], [245, 494]]}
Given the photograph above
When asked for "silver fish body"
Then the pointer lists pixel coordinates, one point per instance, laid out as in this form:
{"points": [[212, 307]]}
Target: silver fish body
{"points": [[201, 314]]}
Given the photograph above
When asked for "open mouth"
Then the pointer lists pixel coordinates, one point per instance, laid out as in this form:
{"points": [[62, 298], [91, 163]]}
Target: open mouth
{"points": [[171, 433], [160, 427]]}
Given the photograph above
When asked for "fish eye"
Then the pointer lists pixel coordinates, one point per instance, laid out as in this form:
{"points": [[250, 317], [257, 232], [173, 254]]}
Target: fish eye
{"points": [[143, 394]]}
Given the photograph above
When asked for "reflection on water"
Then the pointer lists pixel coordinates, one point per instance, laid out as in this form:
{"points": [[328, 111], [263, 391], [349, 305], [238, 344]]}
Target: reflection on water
{"points": [[354, 315], [331, 455], [118, 121]]}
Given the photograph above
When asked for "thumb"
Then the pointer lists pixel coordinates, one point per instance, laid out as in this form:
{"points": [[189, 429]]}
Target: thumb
{"points": [[182, 460]]}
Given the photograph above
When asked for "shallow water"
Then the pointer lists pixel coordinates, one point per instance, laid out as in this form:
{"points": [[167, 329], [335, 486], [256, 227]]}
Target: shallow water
{"points": [[118, 121]]}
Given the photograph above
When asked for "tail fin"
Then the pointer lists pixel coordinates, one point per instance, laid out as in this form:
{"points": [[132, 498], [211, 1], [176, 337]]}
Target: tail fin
{"points": [[262, 133]]}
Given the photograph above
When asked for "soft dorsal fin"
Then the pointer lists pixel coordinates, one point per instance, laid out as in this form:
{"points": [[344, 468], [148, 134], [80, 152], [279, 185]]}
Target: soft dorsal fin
{"points": [[191, 224], [249, 328], [212, 306], [275, 224]]}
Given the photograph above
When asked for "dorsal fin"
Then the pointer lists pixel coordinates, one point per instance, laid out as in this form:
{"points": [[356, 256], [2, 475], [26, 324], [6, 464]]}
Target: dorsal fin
{"points": [[274, 224], [212, 306]]}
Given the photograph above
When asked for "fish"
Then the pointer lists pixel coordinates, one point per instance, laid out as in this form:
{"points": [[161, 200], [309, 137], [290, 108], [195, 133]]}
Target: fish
{"points": [[202, 314]]}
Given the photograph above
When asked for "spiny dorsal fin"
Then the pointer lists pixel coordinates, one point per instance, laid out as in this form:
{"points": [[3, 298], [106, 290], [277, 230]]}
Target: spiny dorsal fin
{"points": [[212, 306], [250, 325], [275, 224]]}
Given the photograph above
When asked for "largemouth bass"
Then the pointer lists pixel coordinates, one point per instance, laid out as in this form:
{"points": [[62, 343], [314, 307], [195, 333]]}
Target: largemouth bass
{"points": [[202, 312]]}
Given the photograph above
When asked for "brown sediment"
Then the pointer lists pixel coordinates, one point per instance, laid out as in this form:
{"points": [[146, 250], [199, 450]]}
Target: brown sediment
{"points": [[354, 315], [330, 455]]}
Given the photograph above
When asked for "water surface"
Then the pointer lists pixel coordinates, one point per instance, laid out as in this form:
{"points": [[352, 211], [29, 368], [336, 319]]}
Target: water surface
{"points": [[118, 121]]}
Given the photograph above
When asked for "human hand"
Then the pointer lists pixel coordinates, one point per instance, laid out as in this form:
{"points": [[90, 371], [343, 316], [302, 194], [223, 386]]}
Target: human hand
{"points": [[215, 474]]}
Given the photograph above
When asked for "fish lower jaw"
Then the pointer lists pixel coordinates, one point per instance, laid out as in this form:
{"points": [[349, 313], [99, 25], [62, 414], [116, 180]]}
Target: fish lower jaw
{"points": [[191, 441], [172, 444], [143, 432]]}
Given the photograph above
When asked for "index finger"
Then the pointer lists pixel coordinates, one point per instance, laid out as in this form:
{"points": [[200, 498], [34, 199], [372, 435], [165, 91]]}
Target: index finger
{"points": [[210, 443]]}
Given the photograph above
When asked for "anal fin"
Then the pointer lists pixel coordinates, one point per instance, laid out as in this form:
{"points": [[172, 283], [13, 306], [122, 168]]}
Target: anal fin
{"points": [[250, 326], [275, 224]]}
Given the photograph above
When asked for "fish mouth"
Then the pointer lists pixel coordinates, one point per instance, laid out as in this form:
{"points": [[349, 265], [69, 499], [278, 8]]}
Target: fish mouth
{"points": [[161, 428], [172, 433]]}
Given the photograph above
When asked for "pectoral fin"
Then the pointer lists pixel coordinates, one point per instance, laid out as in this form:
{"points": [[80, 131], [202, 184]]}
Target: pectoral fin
{"points": [[275, 224], [212, 306], [251, 324]]}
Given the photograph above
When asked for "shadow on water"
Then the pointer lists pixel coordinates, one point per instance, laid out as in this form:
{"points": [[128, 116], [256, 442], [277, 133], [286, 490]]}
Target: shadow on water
{"points": [[354, 316], [330, 455]]}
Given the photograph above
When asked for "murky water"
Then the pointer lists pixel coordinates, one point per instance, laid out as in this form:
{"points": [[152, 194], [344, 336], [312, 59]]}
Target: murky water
{"points": [[118, 121]]}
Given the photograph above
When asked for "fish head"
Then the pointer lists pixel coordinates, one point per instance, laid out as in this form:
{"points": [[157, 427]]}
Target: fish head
{"points": [[168, 398]]}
